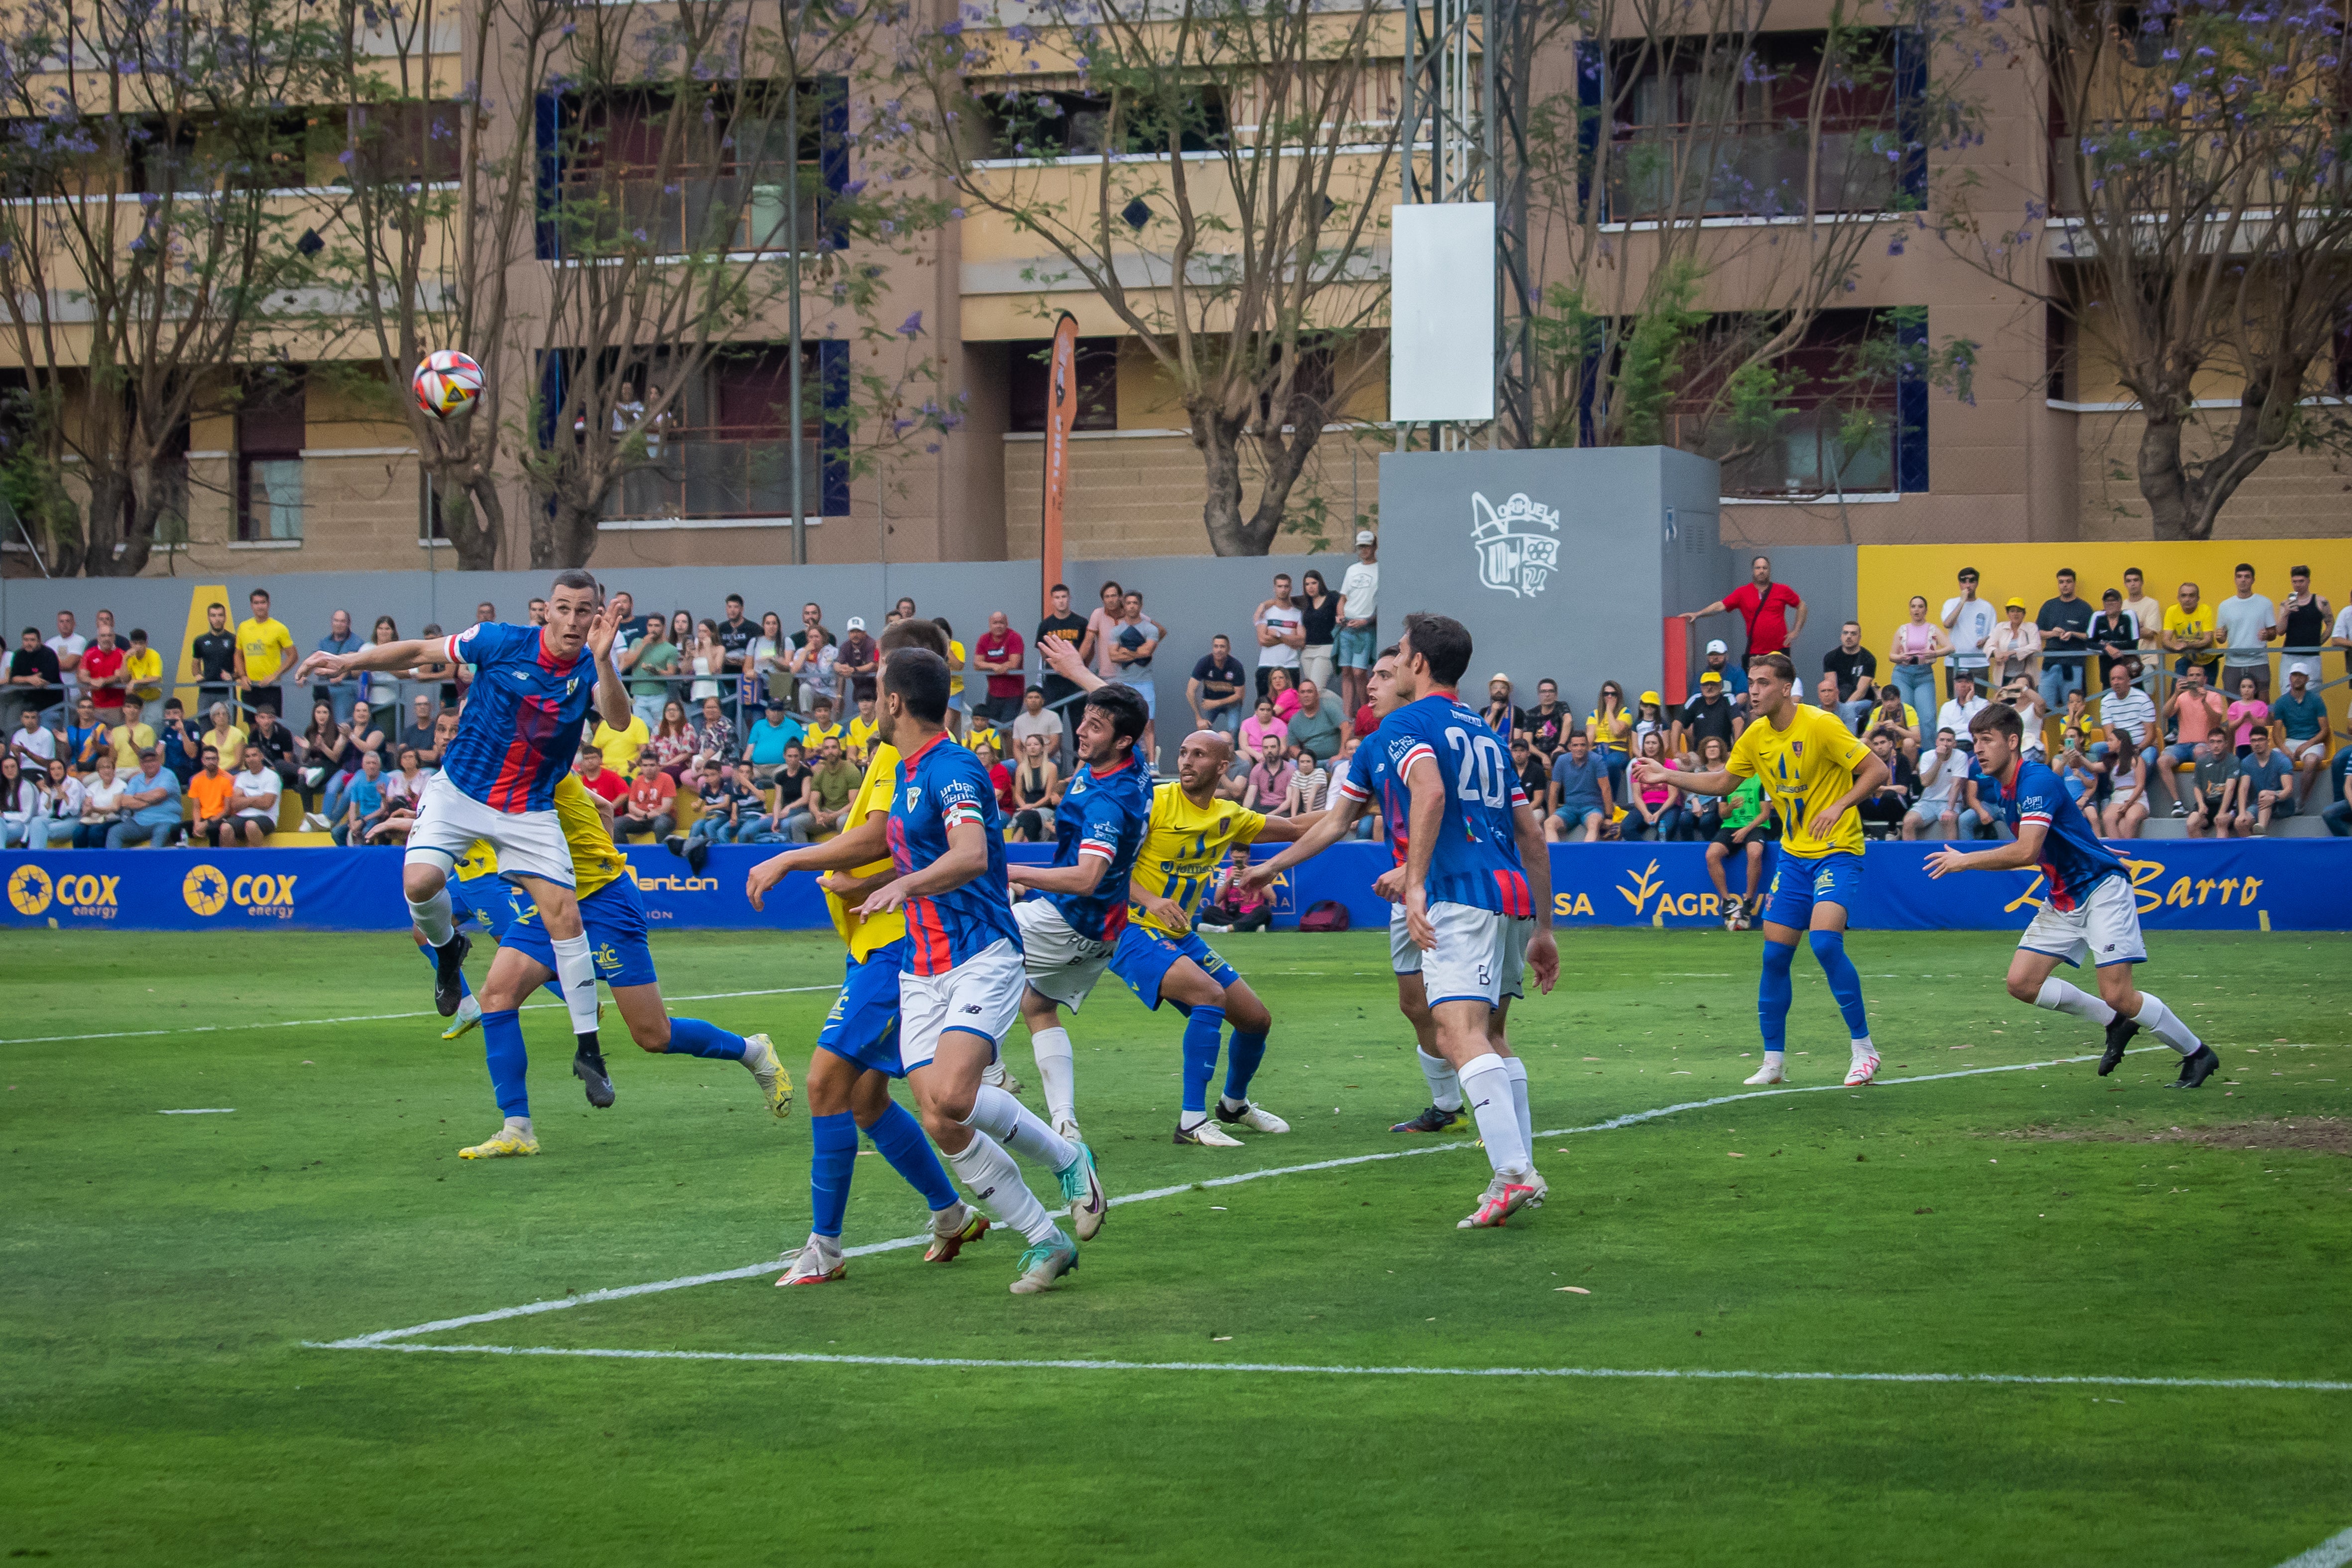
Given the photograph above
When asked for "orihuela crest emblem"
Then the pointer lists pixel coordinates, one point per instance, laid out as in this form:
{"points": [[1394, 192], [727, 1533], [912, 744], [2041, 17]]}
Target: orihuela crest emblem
{"points": [[1512, 558]]}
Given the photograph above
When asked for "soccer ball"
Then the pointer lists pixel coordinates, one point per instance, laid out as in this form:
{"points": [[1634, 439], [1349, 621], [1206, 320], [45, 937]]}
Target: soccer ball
{"points": [[447, 384]]}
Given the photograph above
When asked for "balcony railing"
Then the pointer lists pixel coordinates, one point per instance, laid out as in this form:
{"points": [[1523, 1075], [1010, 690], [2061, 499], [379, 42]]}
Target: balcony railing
{"points": [[687, 212], [1751, 171], [1806, 454], [711, 475]]}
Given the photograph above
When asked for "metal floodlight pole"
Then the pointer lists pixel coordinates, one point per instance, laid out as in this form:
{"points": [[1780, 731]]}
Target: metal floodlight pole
{"points": [[793, 251]]}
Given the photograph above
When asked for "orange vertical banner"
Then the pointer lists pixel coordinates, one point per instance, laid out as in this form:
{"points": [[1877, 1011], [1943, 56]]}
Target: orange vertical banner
{"points": [[1061, 418]]}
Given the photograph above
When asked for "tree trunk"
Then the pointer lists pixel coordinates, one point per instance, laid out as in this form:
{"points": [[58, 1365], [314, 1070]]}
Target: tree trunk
{"points": [[1285, 461], [108, 487], [473, 517], [2164, 482], [1219, 442], [565, 535]]}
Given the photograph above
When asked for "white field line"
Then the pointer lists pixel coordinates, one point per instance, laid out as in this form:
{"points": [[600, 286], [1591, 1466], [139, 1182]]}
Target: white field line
{"points": [[2312, 1559], [203, 1110], [2333, 1553], [382, 1337], [361, 1018]]}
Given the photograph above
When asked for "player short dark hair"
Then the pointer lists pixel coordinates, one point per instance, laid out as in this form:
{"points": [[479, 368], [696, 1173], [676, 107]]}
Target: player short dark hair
{"points": [[1998, 717], [1779, 664], [1388, 652], [1441, 640], [920, 677], [1124, 707], [913, 631], [573, 577]]}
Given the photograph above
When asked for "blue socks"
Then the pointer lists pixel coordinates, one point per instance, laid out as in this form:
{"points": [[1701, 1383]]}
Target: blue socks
{"points": [[1243, 1053], [502, 1048], [901, 1139], [832, 1158], [1829, 946], [1772, 994], [693, 1037], [1201, 1032]]}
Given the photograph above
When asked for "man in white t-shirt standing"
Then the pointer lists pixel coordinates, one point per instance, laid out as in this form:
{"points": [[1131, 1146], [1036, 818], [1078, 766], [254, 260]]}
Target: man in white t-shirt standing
{"points": [[1360, 626], [1970, 620], [1281, 633], [67, 644], [2248, 621]]}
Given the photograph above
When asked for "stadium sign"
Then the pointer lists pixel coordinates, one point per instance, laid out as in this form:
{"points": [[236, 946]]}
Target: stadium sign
{"points": [[1512, 557]]}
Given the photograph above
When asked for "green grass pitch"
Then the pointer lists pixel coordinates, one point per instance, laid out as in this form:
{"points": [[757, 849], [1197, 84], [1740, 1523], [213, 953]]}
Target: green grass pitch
{"points": [[169, 1280]]}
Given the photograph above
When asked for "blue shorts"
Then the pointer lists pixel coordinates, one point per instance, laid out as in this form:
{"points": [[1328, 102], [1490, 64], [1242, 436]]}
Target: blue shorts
{"points": [[1798, 884], [1144, 957], [615, 923], [1352, 646], [863, 1023], [492, 898]]}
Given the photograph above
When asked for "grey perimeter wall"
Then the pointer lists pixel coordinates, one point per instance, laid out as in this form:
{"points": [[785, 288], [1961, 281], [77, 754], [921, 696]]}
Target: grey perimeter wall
{"points": [[1601, 616]]}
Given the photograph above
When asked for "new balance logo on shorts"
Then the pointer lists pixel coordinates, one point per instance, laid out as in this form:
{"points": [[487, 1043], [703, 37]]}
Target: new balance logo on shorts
{"points": [[974, 1008]]}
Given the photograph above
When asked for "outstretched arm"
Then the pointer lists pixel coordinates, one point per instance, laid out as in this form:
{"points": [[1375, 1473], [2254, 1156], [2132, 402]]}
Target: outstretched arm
{"points": [[374, 656], [1082, 877], [1329, 827], [866, 841], [2019, 853]]}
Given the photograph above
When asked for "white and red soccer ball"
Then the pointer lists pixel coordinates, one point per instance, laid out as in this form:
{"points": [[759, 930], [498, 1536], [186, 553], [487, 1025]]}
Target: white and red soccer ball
{"points": [[447, 384]]}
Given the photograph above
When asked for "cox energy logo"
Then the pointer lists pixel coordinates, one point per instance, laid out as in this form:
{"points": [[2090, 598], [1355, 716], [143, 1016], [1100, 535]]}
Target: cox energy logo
{"points": [[207, 893], [33, 892]]}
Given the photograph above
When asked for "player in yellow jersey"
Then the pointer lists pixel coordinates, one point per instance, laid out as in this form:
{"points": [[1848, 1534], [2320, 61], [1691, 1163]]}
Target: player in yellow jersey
{"points": [[616, 923], [856, 1054], [1817, 771]]}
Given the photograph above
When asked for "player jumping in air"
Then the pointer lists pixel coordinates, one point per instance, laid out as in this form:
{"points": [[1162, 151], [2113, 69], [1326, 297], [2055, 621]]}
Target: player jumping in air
{"points": [[615, 924], [1477, 886], [961, 982], [2090, 911], [856, 1054], [1816, 771], [531, 693]]}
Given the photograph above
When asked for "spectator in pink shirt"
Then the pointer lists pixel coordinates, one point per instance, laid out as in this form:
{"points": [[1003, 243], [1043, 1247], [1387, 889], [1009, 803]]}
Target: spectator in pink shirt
{"points": [[1262, 726]]}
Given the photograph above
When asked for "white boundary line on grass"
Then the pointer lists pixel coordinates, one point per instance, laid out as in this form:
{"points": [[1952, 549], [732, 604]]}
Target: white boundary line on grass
{"points": [[383, 1337], [2333, 1553], [361, 1018]]}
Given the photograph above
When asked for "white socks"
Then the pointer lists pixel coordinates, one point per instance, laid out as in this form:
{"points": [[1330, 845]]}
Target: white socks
{"points": [[1518, 1068], [2154, 1015], [519, 1125], [577, 972], [1018, 1128], [1444, 1084], [2061, 997], [435, 917], [1057, 1068], [1487, 1088], [994, 1181]]}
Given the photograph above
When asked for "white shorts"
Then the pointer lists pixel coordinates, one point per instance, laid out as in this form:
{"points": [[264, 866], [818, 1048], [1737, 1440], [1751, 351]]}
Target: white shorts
{"points": [[2103, 928], [1468, 962], [1517, 933], [1062, 964], [981, 996], [2296, 751], [1403, 957], [448, 820]]}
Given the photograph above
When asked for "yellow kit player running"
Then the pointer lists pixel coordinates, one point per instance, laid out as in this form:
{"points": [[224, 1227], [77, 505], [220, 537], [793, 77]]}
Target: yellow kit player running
{"points": [[1817, 771]]}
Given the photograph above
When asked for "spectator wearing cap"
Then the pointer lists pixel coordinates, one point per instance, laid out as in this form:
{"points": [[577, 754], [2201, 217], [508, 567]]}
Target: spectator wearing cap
{"points": [[1503, 716], [1215, 689], [2114, 634], [1773, 612], [853, 667], [1359, 625], [1315, 729], [1718, 660], [2065, 623], [1849, 677], [150, 806], [1968, 621], [2303, 721], [1709, 712], [774, 733], [2013, 651], [998, 655]]}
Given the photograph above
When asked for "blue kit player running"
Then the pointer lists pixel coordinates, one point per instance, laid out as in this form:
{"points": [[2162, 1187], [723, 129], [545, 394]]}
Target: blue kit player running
{"points": [[1477, 886], [1816, 772], [856, 1054], [615, 924], [960, 980], [531, 694], [2088, 911], [1069, 931]]}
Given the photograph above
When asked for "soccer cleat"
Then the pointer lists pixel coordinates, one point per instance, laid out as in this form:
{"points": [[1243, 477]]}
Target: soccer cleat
{"points": [[1542, 1189], [1208, 1134], [448, 968], [1084, 1189], [499, 1145], [2195, 1067], [1732, 921], [470, 1015], [1252, 1115], [760, 1056], [818, 1263], [1503, 1198], [1065, 1127], [2120, 1030], [1043, 1266], [1010, 1085], [952, 1230], [1863, 1069], [588, 1067], [1430, 1120], [1769, 1072]]}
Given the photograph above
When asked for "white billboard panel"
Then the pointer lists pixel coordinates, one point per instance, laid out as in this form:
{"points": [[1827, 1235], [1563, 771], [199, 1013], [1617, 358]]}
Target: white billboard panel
{"points": [[1442, 311]]}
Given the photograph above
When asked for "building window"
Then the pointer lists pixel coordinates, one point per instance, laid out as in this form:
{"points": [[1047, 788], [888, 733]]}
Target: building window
{"points": [[723, 448], [1056, 118], [1097, 384], [412, 140], [725, 185], [271, 420], [1833, 426]]}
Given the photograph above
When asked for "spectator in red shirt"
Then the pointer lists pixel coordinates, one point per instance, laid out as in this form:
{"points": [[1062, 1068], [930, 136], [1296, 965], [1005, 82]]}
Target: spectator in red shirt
{"points": [[998, 655], [1766, 606], [102, 672], [998, 774], [652, 803], [602, 781]]}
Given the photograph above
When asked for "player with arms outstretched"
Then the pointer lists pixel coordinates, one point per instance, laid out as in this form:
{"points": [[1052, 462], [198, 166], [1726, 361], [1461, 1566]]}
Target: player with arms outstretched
{"points": [[614, 922], [2090, 911], [1817, 771], [531, 694], [1477, 886]]}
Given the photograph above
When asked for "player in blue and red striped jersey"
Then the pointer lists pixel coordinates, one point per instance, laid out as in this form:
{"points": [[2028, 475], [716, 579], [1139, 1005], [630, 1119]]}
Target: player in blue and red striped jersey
{"points": [[1069, 934], [2089, 910], [961, 978], [532, 689], [1475, 869]]}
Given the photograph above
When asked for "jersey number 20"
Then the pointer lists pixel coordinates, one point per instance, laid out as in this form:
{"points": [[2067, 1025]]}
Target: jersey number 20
{"points": [[1484, 772]]}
